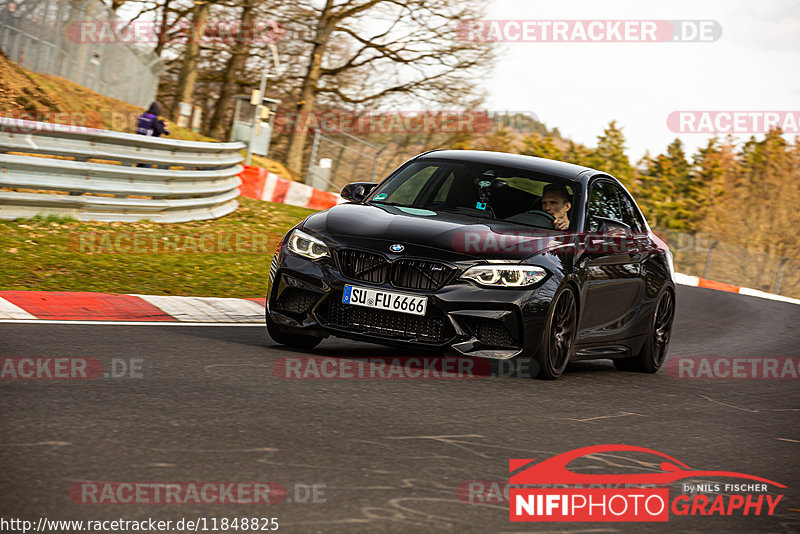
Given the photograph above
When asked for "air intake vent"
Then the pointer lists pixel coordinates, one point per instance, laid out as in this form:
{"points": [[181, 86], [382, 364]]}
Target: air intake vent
{"points": [[432, 328]]}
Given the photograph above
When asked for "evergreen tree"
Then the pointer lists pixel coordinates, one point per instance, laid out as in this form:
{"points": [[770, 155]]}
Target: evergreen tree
{"points": [[542, 147], [577, 154], [609, 156], [761, 210], [714, 174], [649, 194], [664, 187]]}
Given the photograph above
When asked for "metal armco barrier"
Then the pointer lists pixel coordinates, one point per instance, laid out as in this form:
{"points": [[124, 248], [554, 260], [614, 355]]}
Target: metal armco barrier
{"points": [[113, 176]]}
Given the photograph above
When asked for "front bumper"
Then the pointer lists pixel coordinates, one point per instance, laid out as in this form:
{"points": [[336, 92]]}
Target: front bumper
{"points": [[305, 297]]}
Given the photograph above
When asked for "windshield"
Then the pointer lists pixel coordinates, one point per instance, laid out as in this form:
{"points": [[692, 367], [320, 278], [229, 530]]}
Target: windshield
{"points": [[480, 190]]}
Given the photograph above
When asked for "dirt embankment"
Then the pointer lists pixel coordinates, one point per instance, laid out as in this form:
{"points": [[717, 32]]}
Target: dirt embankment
{"points": [[28, 95], [19, 92]]}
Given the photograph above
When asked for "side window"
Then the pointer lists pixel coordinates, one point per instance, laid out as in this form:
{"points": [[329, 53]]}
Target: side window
{"points": [[603, 202], [630, 214], [406, 193], [444, 189]]}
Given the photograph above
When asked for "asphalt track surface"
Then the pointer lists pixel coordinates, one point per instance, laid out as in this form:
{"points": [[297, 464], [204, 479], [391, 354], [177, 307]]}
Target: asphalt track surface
{"points": [[387, 455]]}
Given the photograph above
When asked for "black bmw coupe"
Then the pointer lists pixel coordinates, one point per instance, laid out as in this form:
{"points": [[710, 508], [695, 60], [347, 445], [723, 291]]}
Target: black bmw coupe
{"points": [[481, 254]]}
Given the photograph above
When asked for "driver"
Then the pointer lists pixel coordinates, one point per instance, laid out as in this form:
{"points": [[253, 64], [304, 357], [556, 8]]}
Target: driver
{"points": [[557, 201]]}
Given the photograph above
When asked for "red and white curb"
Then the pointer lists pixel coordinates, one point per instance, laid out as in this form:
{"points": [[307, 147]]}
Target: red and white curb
{"points": [[696, 281], [114, 308], [118, 308], [260, 184]]}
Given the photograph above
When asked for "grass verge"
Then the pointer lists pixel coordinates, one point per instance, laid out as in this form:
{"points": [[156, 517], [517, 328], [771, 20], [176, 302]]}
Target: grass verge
{"points": [[225, 257]]}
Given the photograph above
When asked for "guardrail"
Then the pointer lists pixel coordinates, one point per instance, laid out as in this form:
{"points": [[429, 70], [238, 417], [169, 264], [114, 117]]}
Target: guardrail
{"points": [[91, 174]]}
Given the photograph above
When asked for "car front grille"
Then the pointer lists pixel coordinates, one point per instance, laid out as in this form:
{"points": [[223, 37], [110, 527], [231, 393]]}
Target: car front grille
{"points": [[403, 273], [430, 328], [365, 266], [419, 274]]}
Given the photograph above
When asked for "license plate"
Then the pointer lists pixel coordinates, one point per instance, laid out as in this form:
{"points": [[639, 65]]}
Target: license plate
{"points": [[384, 300]]}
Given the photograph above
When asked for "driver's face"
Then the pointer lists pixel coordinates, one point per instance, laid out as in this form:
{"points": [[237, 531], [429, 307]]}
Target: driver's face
{"points": [[553, 204]]}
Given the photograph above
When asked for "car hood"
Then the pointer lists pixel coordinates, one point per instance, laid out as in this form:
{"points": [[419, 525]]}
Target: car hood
{"points": [[432, 234]]}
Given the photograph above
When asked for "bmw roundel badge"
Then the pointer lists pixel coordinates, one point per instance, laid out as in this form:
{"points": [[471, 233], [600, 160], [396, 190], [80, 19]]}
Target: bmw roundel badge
{"points": [[397, 247]]}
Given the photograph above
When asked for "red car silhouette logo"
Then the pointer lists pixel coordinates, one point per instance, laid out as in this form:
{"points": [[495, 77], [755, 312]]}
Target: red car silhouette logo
{"points": [[554, 470]]}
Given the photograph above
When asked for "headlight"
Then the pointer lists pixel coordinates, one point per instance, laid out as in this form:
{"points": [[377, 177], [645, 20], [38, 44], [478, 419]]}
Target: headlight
{"points": [[505, 275], [304, 245]]}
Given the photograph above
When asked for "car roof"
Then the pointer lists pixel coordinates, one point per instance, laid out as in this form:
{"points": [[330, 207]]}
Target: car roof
{"points": [[529, 163]]}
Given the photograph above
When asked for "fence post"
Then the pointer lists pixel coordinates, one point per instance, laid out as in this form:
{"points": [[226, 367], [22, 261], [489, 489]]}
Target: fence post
{"points": [[707, 272], [778, 277], [312, 161]]}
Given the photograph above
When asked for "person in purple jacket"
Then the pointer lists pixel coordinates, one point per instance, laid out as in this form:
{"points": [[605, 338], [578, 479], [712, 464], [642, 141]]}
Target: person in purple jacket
{"points": [[149, 123]]}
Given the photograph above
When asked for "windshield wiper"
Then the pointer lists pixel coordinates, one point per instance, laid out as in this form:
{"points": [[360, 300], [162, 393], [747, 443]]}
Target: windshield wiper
{"points": [[454, 210], [390, 204], [457, 211]]}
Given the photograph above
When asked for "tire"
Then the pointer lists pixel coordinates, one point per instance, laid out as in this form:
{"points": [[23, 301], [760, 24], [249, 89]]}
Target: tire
{"points": [[654, 350], [558, 338], [297, 341]]}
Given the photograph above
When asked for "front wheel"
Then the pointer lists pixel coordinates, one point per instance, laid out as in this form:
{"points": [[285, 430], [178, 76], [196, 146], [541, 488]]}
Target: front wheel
{"points": [[298, 341], [654, 350], [558, 338]]}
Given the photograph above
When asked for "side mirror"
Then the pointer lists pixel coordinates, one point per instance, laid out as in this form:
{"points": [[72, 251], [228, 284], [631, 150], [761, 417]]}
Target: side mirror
{"points": [[357, 191]]}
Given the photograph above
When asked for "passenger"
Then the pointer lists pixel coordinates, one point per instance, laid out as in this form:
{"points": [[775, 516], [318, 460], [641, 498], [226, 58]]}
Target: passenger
{"points": [[557, 201]]}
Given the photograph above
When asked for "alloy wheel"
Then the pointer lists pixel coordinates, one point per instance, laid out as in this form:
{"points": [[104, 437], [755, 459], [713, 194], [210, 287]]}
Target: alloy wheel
{"points": [[562, 332], [662, 327]]}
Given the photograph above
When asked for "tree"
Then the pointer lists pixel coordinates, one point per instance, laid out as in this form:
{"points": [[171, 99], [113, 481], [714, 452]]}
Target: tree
{"points": [[760, 208], [500, 140], [577, 154], [188, 74], [391, 53], [714, 172], [649, 195], [758, 211], [238, 56], [665, 190], [542, 147], [609, 155]]}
